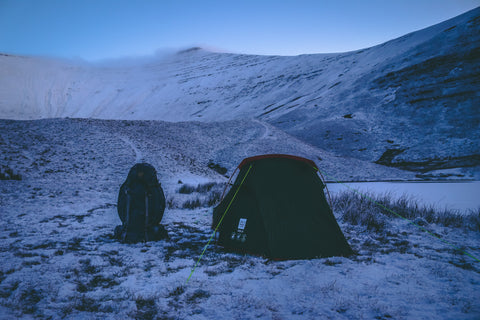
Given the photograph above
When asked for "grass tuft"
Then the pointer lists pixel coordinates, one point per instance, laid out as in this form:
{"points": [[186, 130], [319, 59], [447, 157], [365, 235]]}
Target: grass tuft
{"points": [[6, 291], [197, 295], [192, 204], [177, 291], [86, 304], [29, 299], [206, 187], [102, 281], [357, 210], [74, 244], [7, 173], [200, 188], [202, 196], [213, 198], [146, 308], [186, 189]]}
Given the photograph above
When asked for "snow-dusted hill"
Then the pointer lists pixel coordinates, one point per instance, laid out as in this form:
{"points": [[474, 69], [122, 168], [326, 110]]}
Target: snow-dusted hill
{"points": [[405, 103], [87, 148]]}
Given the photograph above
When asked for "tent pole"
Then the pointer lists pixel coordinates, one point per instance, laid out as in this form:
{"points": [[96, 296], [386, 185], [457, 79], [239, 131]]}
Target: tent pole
{"points": [[228, 183]]}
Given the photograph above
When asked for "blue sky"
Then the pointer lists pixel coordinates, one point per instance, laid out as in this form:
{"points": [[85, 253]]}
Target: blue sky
{"points": [[100, 29]]}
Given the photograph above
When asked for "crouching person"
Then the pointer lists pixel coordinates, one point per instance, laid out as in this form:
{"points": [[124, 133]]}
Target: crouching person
{"points": [[140, 205]]}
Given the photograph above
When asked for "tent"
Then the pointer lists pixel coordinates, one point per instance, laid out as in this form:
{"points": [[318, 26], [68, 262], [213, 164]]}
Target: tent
{"points": [[277, 208]]}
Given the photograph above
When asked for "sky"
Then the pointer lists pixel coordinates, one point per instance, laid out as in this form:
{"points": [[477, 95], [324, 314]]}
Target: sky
{"points": [[101, 29]]}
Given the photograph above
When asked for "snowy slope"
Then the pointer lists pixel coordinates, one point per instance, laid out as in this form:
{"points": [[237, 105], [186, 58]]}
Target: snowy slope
{"points": [[183, 150], [58, 259], [411, 100]]}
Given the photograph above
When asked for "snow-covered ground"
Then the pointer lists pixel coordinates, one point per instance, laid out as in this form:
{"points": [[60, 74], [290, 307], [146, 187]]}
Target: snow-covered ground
{"points": [[58, 259]]}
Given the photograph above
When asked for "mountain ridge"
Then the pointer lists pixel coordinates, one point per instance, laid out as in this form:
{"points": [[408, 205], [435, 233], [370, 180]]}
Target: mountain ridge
{"points": [[413, 96]]}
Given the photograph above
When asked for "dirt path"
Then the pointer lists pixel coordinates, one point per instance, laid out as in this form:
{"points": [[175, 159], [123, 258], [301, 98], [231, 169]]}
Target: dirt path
{"points": [[138, 154]]}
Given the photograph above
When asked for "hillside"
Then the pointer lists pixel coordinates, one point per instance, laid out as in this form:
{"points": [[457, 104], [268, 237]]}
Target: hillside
{"points": [[411, 102], [56, 149]]}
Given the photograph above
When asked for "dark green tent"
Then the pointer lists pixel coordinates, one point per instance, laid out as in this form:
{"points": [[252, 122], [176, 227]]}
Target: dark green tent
{"points": [[279, 211]]}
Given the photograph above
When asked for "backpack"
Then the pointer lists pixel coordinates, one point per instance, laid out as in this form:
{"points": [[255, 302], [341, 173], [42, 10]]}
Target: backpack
{"points": [[140, 206]]}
